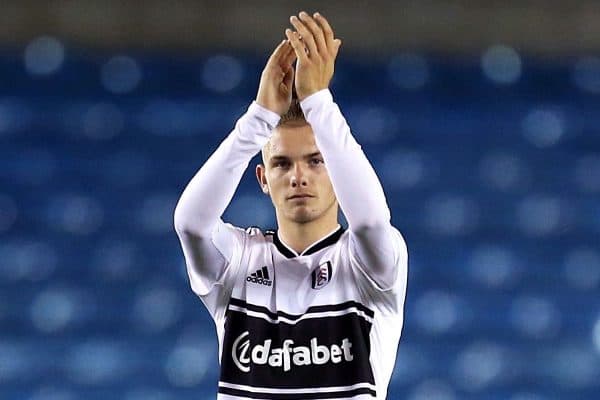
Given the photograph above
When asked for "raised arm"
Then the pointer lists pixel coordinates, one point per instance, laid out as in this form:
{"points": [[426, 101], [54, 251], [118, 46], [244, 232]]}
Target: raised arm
{"points": [[378, 246], [207, 243]]}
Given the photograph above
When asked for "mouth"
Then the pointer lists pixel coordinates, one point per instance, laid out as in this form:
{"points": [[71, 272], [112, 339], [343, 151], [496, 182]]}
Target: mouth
{"points": [[300, 196]]}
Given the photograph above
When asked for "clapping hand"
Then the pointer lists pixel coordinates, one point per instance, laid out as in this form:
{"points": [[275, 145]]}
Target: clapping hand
{"points": [[316, 50]]}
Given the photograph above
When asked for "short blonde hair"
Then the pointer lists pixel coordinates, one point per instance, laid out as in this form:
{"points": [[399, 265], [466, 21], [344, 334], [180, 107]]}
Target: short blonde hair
{"points": [[294, 113]]}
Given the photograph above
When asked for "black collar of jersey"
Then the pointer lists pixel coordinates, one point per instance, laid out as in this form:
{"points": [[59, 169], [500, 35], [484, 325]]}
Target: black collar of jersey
{"points": [[321, 244]]}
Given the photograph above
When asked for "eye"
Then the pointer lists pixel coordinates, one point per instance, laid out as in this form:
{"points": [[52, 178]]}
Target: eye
{"points": [[281, 164], [316, 161]]}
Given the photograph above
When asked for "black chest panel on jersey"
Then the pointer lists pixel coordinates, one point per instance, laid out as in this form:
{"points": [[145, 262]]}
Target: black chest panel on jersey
{"points": [[327, 346]]}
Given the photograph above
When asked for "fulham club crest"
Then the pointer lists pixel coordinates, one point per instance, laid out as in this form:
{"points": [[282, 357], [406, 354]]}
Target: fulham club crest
{"points": [[321, 275]]}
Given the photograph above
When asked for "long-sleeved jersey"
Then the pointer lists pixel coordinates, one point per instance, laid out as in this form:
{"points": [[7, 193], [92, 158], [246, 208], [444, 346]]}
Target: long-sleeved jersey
{"points": [[323, 324]]}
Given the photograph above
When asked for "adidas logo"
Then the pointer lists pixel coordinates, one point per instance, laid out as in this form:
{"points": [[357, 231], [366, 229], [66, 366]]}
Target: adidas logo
{"points": [[261, 276]]}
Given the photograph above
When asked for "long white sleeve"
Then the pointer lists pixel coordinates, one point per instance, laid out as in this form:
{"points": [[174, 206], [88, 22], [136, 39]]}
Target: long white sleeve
{"points": [[379, 247], [206, 241]]}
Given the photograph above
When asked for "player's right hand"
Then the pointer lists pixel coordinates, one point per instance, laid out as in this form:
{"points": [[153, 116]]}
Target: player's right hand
{"points": [[276, 81]]}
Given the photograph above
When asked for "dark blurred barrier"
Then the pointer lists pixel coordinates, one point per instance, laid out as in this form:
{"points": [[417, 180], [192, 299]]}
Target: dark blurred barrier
{"points": [[543, 27]]}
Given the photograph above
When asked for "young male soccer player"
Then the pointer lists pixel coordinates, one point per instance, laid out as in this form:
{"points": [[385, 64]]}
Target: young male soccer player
{"points": [[312, 310]]}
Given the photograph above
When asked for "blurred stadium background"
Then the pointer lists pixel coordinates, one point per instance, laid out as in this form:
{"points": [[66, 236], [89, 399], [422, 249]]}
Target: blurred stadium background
{"points": [[482, 119]]}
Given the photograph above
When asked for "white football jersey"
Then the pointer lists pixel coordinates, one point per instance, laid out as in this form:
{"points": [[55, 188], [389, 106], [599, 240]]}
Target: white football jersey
{"points": [[302, 326]]}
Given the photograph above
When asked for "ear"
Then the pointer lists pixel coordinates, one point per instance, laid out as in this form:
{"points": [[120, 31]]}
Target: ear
{"points": [[261, 176]]}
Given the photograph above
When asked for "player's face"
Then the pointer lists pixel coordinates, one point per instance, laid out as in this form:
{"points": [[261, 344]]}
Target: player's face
{"points": [[294, 175]]}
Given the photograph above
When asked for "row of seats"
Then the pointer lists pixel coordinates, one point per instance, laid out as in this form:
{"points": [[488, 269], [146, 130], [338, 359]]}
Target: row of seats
{"points": [[377, 119], [499, 66]]}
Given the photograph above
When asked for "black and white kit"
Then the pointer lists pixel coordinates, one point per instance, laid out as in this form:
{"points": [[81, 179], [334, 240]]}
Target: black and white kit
{"points": [[323, 324]]}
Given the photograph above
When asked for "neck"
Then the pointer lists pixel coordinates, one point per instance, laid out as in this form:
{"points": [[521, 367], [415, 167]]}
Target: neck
{"points": [[299, 236]]}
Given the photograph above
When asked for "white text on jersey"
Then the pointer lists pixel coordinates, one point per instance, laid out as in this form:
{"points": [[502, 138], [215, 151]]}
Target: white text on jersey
{"points": [[286, 356]]}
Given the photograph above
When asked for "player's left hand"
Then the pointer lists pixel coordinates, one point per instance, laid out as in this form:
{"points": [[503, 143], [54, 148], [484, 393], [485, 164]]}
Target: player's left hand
{"points": [[316, 50]]}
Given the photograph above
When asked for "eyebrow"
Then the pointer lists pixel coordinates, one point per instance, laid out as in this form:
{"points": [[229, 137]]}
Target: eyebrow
{"points": [[306, 156]]}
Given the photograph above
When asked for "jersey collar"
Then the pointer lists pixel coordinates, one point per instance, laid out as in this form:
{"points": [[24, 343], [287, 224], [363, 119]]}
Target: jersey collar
{"points": [[313, 248]]}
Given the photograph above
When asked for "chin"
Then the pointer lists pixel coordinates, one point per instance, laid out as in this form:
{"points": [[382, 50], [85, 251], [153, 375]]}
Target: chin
{"points": [[302, 216]]}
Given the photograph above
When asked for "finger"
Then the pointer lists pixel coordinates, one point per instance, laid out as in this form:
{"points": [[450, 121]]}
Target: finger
{"points": [[298, 46], [316, 31], [288, 79], [290, 57], [287, 57], [289, 50], [337, 43], [327, 31], [279, 50], [307, 36], [291, 54]]}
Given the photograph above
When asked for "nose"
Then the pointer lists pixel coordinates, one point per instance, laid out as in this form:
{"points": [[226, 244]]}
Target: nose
{"points": [[298, 177]]}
